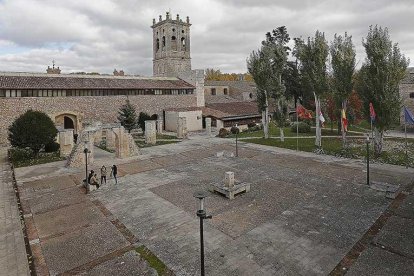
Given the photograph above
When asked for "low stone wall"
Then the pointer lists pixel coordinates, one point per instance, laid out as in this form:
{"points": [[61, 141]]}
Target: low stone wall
{"points": [[104, 109]]}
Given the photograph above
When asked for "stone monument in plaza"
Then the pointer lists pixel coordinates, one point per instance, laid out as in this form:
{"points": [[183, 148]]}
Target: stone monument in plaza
{"points": [[230, 188], [150, 132]]}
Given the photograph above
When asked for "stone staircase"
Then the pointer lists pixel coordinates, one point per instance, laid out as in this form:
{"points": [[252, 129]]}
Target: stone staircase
{"points": [[74, 153]]}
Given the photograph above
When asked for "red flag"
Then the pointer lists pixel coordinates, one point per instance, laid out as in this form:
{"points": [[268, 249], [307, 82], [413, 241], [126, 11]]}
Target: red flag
{"points": [[303, 113], [372, 112]]}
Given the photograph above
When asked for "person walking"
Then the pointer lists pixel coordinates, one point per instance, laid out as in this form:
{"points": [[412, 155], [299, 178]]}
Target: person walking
{"points": [[114, 172], [103, 174]]}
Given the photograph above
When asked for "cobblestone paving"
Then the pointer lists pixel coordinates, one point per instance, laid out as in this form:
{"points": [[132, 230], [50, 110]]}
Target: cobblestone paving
{"points": [[13, 259], [303, 214]]}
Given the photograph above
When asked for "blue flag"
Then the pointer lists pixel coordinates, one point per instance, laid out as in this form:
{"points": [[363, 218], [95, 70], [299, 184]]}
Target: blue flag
{"points": [[409, 118]]}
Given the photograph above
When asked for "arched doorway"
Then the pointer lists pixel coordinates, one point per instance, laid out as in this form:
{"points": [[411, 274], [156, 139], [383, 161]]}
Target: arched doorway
{"points": [[68, 123]]}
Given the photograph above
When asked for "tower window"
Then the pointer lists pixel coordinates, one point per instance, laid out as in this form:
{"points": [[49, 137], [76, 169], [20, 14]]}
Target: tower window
{"points": [[163, 41], [182, 31], [173, 38], [412, 95], [158, 44], [183, 42], [173, 30]]}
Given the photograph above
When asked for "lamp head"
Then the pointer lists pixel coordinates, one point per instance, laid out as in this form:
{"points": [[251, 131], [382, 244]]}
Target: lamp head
{"points": [[201, 195]]}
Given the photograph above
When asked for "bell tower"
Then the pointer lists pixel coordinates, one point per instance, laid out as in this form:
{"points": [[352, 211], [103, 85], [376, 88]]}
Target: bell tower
{"points": [[171, 46]]}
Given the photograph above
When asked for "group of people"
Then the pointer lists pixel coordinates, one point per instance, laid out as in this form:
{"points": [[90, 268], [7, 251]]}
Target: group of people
{"points": [[93, 178]]}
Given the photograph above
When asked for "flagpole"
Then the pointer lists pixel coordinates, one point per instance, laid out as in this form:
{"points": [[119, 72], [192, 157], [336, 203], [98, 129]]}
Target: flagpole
{"points": [[297, 127]]}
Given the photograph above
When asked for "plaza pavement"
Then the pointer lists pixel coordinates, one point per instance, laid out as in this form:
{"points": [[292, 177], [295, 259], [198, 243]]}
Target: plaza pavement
{"points": [[306, 214], [13, 259]]}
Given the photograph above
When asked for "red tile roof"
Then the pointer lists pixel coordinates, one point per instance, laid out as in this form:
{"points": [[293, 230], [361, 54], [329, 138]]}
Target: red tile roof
{"points": [[8, 81]]}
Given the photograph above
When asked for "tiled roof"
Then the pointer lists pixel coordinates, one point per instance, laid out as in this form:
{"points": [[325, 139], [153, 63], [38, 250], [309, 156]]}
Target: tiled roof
{"points": [[184, 109], [223, 110], [219, 99], [44, 81]]}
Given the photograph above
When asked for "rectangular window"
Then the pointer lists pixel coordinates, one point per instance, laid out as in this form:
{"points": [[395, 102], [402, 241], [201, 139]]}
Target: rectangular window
{"points": [[225, 91], [2, 93], [213, 91], [24, 93], [55, 93]]}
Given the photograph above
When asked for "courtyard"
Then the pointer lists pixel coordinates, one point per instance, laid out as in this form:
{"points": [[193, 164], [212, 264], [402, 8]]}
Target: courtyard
{"points": [[306, 214]]}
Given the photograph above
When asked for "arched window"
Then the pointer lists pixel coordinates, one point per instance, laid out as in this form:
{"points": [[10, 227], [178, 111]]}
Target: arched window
{"points": [[174, 43], [173, 38], [183, 42], [158, 44], [163, 41], [412, 95]]}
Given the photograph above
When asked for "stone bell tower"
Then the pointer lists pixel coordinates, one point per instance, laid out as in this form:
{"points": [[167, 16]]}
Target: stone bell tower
{"points": [[171, 46]]}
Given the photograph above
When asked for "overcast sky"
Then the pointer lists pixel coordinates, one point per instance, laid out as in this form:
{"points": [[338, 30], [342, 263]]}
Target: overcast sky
{"points": [[100, 35]]}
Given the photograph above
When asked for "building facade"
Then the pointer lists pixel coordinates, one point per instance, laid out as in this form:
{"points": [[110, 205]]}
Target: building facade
{"points": [[407, 91]]}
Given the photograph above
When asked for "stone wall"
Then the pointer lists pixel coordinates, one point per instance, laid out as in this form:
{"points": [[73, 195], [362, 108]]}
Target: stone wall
{"points": [[103, 109]]}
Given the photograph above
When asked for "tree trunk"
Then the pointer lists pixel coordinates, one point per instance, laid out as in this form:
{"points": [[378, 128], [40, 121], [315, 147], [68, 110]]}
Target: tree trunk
{"points": [[282, 135], [265, 121], [378, 141], [318, 139]]}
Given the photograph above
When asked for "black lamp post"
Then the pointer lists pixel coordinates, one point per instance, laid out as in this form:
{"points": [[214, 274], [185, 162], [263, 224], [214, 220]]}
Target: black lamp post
{"points": [[201, 213], [367, 141], [237, 134], [86, 151]]}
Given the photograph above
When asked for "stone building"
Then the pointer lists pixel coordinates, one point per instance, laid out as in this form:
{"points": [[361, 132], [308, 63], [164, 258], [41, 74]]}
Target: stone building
{"points": [[229, 91], [171, 46], [76, 100]]}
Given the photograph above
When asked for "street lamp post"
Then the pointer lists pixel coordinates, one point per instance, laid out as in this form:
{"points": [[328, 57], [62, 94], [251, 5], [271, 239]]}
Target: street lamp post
{"points": [[201, 213], [86, 151], [367, 141], [237, 134]]}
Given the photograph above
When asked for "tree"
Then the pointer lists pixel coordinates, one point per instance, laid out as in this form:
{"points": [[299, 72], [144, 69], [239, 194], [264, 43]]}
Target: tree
{"points": [[343, 65], [266, 66], [33, 129], [212, 74], [142, 118], [379, 80], [313, 56], [127, 116]]}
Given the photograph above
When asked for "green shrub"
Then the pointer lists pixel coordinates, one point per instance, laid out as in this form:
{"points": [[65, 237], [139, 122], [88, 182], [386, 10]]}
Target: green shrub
{"points": [[235, 130], [142, 118], [52, 147], [223, 133], [302, 127], [33, 129], [250, 125], [20, 154]]}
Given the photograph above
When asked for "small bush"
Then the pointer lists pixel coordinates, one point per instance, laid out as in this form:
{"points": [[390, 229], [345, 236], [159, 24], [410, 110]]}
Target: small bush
{"points": [[20, 154], [223, 133], [235, 130], [302, 127], [52, 147], [250, 125]]}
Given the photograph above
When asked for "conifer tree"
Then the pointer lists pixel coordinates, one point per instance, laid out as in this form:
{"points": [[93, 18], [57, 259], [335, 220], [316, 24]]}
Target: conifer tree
{"points": [[127, 116]]}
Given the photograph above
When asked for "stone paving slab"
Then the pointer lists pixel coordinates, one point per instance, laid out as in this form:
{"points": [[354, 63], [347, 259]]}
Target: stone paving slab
{"points": [[397, 234], [55, 200], [13, 258], [42, 186], [406, 210], [138, 166], [77, 248], [124, 265], [67, 219], [375, 261]]}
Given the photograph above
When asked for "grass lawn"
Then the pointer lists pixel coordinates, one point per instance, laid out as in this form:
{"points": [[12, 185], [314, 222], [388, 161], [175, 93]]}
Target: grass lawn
{"points": [[393, 148], [41, 159], [275, 132]]}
